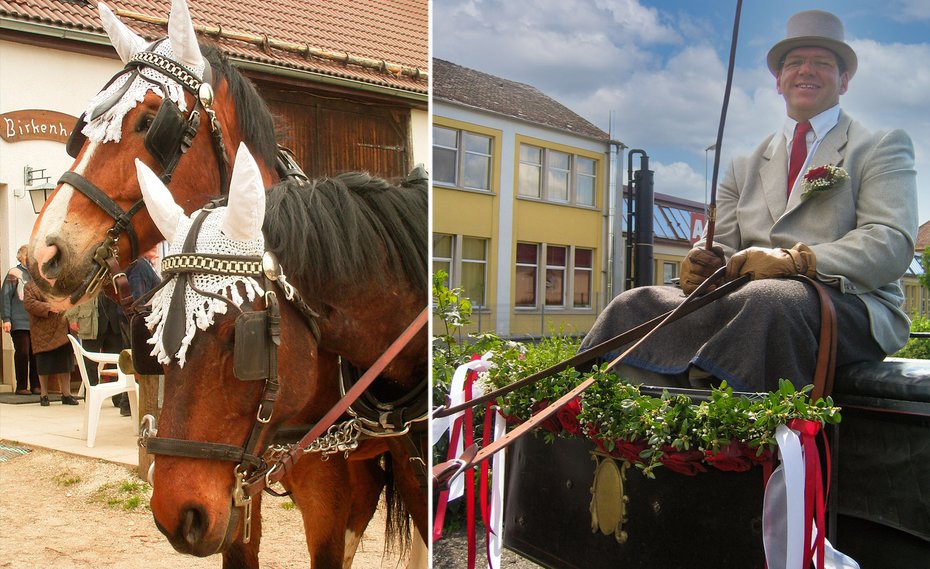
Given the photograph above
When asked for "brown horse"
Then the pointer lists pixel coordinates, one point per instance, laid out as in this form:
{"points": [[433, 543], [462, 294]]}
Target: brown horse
{"points": [[344, 234], [148, 111]]}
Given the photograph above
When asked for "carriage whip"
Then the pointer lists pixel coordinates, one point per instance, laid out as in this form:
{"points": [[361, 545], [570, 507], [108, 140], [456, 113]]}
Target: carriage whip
{"points": [[712, 206]]}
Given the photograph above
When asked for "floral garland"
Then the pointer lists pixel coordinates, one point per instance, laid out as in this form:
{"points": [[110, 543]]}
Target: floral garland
{"points": [[726, 431]]}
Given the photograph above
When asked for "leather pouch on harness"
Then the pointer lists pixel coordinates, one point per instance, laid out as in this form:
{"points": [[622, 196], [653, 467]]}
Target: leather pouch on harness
{"points": [[142, 360], [165, 136], [250, 361]]}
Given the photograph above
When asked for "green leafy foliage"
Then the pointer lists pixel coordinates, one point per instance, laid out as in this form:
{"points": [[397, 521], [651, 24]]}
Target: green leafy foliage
{"points": [[918, 348]]}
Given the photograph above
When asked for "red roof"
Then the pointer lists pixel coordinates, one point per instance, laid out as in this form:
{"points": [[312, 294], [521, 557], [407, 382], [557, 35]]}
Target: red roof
{"points": [[381, 42], [923, 237]]}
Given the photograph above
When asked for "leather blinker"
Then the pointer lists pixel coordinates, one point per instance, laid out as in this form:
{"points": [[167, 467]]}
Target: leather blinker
{"points": [[164, 137], [77, 138], [142, 359], [250, 358]]}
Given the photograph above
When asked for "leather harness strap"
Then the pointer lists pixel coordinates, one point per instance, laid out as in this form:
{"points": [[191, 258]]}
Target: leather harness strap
{"points": [[825, 368], [258, 482]]}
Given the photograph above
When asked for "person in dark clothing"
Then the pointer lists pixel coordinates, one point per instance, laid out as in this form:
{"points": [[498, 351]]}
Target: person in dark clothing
{"points": [[142, 278], [16, 324]]}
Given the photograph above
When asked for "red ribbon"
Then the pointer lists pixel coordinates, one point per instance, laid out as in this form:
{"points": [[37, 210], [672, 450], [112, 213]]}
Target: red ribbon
{"points": [[813, 490]]}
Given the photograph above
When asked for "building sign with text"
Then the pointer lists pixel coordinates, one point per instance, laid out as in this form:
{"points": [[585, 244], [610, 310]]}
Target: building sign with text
{"points": [[697, 227], [36, 124]]}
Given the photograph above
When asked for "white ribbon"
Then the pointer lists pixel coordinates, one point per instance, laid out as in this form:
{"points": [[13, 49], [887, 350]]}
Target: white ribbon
{"points": [[496, 516], [783, 511]]}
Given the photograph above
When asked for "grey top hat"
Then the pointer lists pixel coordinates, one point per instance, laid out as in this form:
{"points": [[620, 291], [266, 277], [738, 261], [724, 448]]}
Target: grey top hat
{"points": [[813, 28]]}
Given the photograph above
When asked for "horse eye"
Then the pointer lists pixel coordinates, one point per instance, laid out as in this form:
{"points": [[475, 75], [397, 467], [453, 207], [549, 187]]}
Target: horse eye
{"points": [[145, 123]]}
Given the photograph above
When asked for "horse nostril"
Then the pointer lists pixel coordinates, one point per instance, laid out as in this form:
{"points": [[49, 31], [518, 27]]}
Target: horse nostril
{"points": [[49, 260], [193, 523]]}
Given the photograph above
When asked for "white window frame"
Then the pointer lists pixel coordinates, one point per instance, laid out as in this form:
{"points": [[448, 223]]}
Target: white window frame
{"points": [[456, 262], [575, 270], [461, 155], [547, 168], [543, 267]]}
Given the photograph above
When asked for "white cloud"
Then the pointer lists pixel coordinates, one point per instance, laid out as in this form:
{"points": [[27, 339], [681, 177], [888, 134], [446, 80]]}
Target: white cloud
{"points": [[663, 81], [907, 10], [679, 179]]}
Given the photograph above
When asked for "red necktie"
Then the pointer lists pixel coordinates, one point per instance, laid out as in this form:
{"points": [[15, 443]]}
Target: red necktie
{"points": [[798, 152]]}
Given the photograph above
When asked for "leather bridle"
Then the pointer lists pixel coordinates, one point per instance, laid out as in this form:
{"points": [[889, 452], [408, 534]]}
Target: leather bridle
{"points": [[257, 466], [168, 139]]}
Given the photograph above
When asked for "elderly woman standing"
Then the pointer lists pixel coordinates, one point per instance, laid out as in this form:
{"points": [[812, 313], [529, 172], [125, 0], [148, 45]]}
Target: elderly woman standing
{"points": [[50, 344]]}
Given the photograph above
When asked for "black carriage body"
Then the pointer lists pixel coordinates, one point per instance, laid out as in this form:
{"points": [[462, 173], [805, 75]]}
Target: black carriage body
{"points": [[879, 509], [712, 520]]}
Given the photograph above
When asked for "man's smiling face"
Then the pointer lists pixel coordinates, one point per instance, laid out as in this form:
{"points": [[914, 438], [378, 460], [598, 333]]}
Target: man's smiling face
{"points": [[810, 81]]}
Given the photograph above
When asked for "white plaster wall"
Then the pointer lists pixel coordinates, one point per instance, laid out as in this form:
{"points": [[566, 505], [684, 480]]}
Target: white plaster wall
{"points": [[420, 136], [37, 78]]}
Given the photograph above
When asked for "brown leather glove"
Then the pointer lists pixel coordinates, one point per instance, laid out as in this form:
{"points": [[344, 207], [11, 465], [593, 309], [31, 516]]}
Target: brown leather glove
{"points": [[698, 266], [763, 263]]}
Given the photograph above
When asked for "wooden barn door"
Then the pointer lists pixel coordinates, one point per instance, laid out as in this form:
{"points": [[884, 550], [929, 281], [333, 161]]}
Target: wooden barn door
{"points": [[332, 133]]}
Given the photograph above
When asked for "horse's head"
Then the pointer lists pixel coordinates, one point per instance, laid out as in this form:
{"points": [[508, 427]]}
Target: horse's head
{"points": [[177, 107], [239, 360]]}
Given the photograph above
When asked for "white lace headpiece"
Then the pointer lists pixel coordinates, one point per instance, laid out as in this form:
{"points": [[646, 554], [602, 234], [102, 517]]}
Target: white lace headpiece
{"points": [[231, 230], [200, 310], [108, 126]]}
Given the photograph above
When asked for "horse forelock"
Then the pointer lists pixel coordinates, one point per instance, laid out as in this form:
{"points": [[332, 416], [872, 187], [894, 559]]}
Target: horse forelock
{"points": [[348, 230]]}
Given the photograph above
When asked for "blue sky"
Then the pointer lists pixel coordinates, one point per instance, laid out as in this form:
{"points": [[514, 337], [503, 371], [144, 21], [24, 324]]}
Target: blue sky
{"points": [[658, 67]]}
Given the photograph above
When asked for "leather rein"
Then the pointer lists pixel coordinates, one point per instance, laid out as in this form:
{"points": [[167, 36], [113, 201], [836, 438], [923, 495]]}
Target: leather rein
{"points": [[259, 467], [445, 472]]}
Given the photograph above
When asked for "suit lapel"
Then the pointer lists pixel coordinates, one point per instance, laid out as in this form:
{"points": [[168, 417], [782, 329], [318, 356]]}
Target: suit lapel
{"points": [[774, 175]]}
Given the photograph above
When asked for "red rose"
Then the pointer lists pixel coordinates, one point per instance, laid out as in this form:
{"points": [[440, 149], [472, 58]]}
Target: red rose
{"points": [[686, 462], [568, 416], [551, 424], [750, 453], [817, 173], [730, 458], [629, 451]]}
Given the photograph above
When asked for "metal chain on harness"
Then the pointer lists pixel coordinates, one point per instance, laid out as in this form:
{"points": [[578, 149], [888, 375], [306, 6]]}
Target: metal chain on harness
{"points": [[341, 437]]}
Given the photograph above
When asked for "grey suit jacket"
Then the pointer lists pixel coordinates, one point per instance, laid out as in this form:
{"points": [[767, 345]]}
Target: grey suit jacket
{"points": [[862, 232]]}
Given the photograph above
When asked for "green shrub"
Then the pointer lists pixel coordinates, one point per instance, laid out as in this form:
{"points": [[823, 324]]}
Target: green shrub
{"points": [[917, 348]]}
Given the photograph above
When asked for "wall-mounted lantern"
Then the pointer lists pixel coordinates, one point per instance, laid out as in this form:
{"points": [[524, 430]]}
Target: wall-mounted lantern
{"points": [[38, 193]]}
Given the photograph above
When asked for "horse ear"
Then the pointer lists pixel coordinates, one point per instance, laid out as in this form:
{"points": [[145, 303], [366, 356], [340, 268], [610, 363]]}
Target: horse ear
{"points": [[182, 36], [126, 41], [158, 201], [245, 212]]}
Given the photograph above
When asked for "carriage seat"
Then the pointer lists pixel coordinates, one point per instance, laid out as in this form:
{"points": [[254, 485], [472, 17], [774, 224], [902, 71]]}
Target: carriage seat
{"points": [[894, 379]]}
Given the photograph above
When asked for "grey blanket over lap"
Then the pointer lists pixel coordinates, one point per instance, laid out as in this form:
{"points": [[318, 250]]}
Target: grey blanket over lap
{"points": [[764, 331]]}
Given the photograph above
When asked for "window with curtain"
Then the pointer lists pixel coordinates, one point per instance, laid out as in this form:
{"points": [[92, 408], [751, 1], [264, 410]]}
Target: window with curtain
{"points": [[461, 158]]}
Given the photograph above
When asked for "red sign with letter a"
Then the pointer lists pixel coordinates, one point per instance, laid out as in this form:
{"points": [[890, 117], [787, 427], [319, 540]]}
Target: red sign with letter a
{"points": [[697, 227]]}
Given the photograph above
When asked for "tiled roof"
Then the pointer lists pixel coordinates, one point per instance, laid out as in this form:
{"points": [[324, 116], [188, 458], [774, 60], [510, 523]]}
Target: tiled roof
{"points": [[368, 33], [457, 84], [923, 237]]}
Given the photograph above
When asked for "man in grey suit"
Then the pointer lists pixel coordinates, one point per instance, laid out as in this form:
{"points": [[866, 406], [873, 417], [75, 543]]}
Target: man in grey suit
{"points": [[825, 198]]}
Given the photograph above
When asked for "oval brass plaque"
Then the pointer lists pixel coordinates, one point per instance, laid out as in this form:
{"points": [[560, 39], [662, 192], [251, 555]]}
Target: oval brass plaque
{"points": [[608, 496]]}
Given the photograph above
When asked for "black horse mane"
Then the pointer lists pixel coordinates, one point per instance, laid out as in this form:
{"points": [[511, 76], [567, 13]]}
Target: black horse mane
{"points": [[348, 230], [255, 120]]}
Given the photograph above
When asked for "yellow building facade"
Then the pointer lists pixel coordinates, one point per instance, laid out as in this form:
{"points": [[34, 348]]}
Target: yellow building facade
{"points": [[519, 206]]}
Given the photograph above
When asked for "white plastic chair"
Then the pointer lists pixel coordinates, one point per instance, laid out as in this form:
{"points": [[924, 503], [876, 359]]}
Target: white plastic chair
{"points": [[95, 395]]}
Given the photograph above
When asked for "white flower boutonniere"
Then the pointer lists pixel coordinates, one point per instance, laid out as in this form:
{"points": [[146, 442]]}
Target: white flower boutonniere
{"points": [[822, 178]]}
